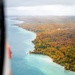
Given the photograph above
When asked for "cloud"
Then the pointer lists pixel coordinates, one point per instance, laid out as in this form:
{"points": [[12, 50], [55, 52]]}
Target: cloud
{"points": [[16, 3], [59, 10]]}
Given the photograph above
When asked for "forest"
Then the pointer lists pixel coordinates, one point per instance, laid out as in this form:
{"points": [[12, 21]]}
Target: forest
{"points": [[56, 40]]}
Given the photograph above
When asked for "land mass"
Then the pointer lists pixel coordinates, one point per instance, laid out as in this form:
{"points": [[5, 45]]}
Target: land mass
{"points": [[55, 38]]}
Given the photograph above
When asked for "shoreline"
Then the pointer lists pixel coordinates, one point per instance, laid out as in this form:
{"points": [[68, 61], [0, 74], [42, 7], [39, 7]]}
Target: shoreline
{"points": [[36, 52], [28, 52], [44, 54], [50, 60]]}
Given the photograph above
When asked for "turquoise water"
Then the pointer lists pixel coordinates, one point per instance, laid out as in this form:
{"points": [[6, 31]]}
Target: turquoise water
{"points": [[22, 63]]}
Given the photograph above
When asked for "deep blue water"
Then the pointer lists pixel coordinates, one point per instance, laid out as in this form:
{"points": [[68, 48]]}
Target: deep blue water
{"points": [[20, 41]]}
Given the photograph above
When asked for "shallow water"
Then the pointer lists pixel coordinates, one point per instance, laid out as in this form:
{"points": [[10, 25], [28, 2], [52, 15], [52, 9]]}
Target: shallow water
{"points": [[22, 63]]}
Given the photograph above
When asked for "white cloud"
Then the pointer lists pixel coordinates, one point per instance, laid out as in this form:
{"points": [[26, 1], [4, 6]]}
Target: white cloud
{"points": [[59, 10], [16, 3]]}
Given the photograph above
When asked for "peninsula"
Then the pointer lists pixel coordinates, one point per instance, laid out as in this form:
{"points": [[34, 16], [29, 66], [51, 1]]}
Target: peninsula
{"points": [[55, 38]]}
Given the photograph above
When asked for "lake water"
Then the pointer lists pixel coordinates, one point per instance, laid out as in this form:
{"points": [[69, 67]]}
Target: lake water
{"points": [[20, 41]]}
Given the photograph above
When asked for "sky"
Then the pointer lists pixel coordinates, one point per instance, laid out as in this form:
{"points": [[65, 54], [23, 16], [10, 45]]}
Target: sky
{"points": [[40, 7]]}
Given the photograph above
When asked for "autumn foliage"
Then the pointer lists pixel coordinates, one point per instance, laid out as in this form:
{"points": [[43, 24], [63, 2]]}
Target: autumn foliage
{"points": [[56, 41]]}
